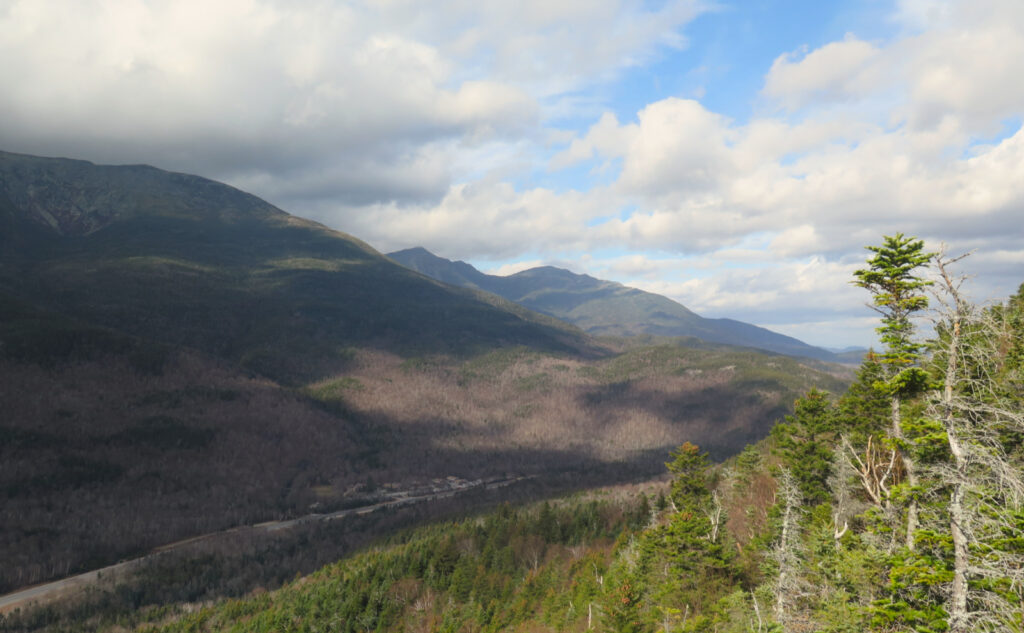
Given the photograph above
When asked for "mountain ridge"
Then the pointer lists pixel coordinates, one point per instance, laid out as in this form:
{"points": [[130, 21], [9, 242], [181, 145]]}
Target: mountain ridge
{"points": [[602, 307], [186, 260], [178, 357]]}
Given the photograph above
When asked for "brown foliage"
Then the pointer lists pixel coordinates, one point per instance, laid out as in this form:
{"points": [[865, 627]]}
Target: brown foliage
{"points": [[101, 462]]}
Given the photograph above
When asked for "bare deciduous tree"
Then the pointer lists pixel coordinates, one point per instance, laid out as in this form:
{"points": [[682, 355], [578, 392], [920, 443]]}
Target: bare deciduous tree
{"points": [[787, 551], [875, 471], [986, 487]]}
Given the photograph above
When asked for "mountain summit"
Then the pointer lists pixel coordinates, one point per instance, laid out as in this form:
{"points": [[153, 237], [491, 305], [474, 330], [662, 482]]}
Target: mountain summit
{"points": [[183, 260], [605, 307]]}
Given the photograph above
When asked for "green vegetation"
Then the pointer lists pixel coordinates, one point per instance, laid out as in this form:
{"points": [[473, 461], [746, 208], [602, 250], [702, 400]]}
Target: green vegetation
{"points": [[489, 574], [805, 531], [179, 357], [605, 308]]}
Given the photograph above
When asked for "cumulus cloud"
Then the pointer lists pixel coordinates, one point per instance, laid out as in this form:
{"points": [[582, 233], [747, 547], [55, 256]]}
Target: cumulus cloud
{"points": [[271, 94], [606, 138], [835, 72], [970, 71], [832, 179], [678, 146], [482, 220], [871, 138], [409, 124]]}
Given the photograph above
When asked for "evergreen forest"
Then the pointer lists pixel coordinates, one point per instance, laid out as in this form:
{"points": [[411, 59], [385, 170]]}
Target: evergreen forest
{"points": [[897, 505]]}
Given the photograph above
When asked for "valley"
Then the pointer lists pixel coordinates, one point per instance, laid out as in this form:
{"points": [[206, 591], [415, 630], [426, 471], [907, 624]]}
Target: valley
{"points": [[672, 316], [218, 416], [71, 588], [180, 358]]}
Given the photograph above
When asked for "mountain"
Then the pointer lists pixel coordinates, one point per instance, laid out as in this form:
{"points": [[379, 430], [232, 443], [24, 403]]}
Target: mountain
{"points": [[605, 307], [179, 357], [182, 260]]}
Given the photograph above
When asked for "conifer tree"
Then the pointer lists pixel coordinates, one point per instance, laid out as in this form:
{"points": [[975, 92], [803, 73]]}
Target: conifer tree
{"points": [[692, 541], [804, 444], [898, 293], [863, 411]]}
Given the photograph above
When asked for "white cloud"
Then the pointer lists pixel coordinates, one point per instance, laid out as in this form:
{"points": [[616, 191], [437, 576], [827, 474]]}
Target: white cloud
{"points": [[796, 241], [481, 221], [412, 124], [838, 71], [252, 89], [556, 47], [678, 146], [606, 138], [768, 292], [510, 269], [971, 71]]}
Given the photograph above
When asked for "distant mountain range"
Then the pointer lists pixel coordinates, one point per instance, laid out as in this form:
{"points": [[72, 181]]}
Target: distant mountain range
{"points": [[602, 307]]}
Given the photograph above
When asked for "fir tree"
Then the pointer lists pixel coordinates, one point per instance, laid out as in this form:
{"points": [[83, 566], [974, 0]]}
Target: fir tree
{"points": [[898, 294], [804, 443], [701, 559]]}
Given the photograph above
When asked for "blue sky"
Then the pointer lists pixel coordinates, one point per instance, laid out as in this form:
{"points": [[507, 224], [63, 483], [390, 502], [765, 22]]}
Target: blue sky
{"points": [[734, 156], [728, 50]]}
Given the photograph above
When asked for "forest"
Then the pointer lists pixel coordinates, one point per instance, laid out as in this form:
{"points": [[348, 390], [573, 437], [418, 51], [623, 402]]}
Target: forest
{"points": [[178, 357], [895, 506]]}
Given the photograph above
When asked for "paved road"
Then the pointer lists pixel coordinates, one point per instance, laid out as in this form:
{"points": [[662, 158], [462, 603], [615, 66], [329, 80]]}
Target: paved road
{"points": [[58, 588], [62, 587]]}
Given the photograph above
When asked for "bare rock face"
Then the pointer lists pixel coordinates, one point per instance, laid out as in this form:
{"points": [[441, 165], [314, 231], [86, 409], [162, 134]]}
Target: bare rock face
{"points": [[61, 209], [76, 197], [52, 196]]}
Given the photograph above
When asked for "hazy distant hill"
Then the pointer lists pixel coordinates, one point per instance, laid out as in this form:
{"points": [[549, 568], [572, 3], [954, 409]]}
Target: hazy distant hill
{"points": [[605, 307]]}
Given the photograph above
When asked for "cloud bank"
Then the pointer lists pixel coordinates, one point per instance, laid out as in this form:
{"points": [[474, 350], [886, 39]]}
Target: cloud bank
{"points": [[407, 124]]}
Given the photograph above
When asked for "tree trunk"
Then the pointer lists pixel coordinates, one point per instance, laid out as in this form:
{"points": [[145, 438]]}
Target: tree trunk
{"points": [[787, 586], [911, 472], [958, 596]]}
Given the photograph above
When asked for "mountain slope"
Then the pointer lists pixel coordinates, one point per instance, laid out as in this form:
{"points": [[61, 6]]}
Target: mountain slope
{"points": [[604, 307], [178, 357], [187, 261]]}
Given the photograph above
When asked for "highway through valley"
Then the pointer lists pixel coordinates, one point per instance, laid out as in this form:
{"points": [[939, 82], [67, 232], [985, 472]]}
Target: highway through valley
{"points": [[55, 590]]}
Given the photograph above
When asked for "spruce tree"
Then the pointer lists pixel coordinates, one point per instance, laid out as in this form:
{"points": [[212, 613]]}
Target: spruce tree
{"points": [[863, 411], [898, 293], [804, 443], [698, 551]]}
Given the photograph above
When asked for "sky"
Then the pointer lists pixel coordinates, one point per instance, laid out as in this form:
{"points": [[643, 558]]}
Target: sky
{"points": [[735, 156]]}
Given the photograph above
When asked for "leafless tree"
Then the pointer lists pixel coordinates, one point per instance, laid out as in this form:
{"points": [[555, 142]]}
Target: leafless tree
{"points": [[986, 487], [787, 553], [845, 504], [715, 516], [875, 470]]}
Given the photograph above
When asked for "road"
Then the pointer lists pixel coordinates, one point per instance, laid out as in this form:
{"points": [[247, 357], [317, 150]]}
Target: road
{"points": [[54, 590]]}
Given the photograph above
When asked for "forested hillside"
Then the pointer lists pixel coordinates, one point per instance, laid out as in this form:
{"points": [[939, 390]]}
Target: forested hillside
{"points": [[606, 308], [179, 357], [896, 506]]}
